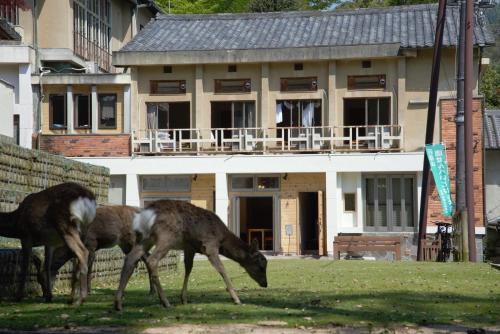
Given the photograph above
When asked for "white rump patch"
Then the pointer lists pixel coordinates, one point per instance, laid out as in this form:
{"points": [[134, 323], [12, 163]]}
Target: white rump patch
{"points": [[143, 222], [83, 209]]}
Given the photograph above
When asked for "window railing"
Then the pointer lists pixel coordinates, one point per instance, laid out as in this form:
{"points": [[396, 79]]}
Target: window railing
{"points": [[10, 13], [372, 138], [90, 51]]}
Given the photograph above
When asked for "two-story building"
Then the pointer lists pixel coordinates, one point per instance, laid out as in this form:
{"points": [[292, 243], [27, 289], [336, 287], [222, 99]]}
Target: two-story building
{"points": [[293, 127]]}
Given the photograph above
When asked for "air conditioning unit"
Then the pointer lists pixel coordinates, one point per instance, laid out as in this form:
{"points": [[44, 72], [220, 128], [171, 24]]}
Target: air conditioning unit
{"points": [[92, 67]]}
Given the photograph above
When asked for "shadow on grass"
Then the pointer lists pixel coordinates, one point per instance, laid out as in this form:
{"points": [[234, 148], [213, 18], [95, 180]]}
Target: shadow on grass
{"points": [[294, 307]]}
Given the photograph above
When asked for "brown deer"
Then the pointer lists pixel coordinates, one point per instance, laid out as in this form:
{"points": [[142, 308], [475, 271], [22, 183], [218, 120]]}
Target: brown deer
{"points": [[50, 218], [112, 226], [168, 224]]}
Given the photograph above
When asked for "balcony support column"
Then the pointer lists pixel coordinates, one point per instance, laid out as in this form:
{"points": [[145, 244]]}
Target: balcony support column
{"points": [[94, 111], [332, 85], [132, 197], [265, 114], [331, 209], [198, 102], [221, 197], [69, 110], [397, 115]]}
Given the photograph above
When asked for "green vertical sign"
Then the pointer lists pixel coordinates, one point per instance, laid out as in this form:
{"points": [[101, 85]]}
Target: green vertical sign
{"points": [[436, 153]]}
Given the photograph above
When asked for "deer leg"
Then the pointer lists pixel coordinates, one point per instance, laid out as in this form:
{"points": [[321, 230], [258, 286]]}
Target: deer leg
{"points": [[39, 272], [74, 242], [128, 268], [152, 290], [90, 264], [26, 253], [188, 266], [49, 252], [158, 253], [213, 257]]}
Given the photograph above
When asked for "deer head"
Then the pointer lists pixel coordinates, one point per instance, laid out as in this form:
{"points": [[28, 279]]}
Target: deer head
{"points": [[256, 264]]}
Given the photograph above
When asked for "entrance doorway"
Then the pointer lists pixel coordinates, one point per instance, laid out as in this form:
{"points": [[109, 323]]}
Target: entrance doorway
{"points": [[311, 223], [255, 217]]}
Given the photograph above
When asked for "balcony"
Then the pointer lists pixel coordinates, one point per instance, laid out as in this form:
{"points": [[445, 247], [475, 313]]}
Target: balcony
{"points": [[321, 139]]}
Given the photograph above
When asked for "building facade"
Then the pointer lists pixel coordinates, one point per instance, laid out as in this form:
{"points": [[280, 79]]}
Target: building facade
{"points": [[292, 127]]}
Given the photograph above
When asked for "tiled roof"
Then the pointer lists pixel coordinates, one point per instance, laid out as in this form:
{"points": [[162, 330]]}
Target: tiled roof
{"points": [[492, 129], [7, 32], [410, 26]]}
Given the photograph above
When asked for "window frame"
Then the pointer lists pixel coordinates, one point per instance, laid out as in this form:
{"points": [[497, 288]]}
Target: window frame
{"points": [[51, 112], [244, 89], [313, 85], [381, 80], [163, 188], [99, 112], [255, 187], [153, 87], [76, 111], [389, 203], [353, 194]]}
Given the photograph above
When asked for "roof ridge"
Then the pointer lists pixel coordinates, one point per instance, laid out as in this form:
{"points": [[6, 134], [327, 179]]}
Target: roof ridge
{"points": [[287, 14]]}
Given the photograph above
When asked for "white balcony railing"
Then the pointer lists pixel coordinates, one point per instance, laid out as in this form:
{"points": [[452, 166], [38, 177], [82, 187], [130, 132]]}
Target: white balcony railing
{"points": [[370, 138]]}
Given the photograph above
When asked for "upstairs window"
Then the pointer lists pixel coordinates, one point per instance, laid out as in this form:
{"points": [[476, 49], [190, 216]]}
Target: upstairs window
{"points": [[10, 13], [166, 183], [233, 85], [57, 111], [299, 84], [82, 111], [355, 82], [107, 111], [231, 68], [165, 87]]}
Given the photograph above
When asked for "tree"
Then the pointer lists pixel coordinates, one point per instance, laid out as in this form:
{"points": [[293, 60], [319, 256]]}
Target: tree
{"points": [[274, 5], [490, 86]]}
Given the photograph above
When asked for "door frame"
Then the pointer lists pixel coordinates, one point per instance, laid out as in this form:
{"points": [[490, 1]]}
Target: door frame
{"points": [[234, 224], [321, 222]]}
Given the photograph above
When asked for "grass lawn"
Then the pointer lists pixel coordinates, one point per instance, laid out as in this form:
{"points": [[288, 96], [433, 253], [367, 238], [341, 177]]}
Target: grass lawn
{"points": [[300, 292]]}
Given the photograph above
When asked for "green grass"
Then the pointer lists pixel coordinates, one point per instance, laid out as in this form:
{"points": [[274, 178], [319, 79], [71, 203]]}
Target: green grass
{"points": [[300, 292]]}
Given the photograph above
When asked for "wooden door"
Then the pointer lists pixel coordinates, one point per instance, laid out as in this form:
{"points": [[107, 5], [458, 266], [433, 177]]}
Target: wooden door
{"points": [[321, 225]]}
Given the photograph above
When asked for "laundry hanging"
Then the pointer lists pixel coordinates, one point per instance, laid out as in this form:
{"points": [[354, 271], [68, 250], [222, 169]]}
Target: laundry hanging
{"points": [[279, 112], [152, 116], [307, 114]]}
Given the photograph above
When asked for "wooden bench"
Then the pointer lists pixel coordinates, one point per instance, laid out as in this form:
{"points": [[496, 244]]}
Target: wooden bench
{"points": [[360, 243]]}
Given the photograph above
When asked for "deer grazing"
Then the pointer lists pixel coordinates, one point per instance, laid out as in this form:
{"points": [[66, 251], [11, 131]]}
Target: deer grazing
{"points": [[51, 218], [112, 226], [168, 224]]}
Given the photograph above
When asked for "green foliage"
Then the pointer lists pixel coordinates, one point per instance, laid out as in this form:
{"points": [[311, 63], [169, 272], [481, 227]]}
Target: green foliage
{"points": [[311, 293], [274, 5], [490, 86], [352, 4]]}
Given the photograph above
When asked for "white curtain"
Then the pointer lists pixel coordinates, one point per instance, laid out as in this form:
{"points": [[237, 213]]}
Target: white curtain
{"points": [[307, 114], [152, 116], [279, 112]]}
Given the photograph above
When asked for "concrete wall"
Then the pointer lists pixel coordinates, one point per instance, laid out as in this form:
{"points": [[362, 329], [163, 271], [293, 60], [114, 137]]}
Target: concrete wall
{"points": [[55, 24], [492, 184]]}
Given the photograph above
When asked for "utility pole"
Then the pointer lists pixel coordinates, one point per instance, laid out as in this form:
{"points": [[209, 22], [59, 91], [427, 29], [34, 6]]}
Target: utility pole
{"points": [[429, 130], [460, 216], [469, 147]]}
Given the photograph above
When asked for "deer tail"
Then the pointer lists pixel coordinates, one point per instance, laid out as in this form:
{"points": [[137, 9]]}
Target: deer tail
{"points": [[83, 209], [143, 222]]}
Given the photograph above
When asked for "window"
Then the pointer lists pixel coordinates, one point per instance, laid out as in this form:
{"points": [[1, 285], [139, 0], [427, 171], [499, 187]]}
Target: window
{"points": [[254, 183], [166, 183], [233, 85], [366, 82], [349, 202], [92, 31], [298, 113], [390, 203], [57, 106], [107, 111], [168, 86], [231, 68], [366, 64], [168, 115], [82, 112], [167, 69], [298, 66], [17, 129], [299, 84], [363, 112]]}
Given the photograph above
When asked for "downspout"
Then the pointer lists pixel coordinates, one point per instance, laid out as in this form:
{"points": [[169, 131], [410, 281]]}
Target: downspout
{"points": [[37, 70]]}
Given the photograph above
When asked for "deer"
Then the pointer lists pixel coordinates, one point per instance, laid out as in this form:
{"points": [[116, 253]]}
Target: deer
{"points": [[51, 218], [170, 224], [112, 226]]}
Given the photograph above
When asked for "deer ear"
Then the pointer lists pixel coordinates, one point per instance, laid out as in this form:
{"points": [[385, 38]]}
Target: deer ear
{"points": [[254, 247]]}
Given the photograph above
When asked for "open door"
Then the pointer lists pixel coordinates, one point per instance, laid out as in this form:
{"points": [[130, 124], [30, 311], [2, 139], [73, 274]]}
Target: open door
{"points": [[321, 225]]}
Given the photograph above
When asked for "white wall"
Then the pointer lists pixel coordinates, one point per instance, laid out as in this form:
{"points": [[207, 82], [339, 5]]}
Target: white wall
{"points": [[6, 109]]}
